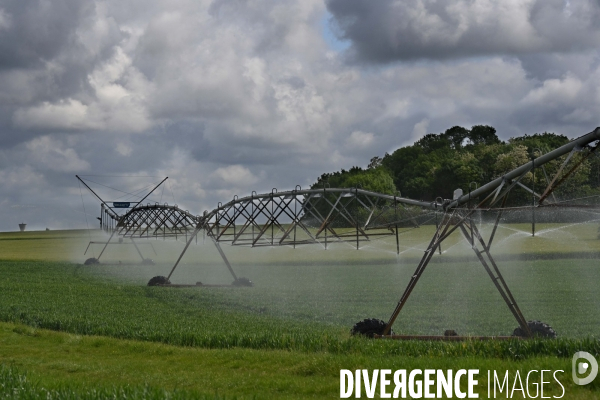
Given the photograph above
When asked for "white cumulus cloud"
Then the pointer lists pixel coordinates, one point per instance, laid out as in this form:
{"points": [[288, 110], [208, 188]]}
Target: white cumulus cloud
{"points": [[236, 175], [55, 155]]}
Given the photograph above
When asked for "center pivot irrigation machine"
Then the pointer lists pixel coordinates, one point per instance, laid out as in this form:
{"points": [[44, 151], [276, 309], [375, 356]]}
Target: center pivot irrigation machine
{"points": [[353, 215]]}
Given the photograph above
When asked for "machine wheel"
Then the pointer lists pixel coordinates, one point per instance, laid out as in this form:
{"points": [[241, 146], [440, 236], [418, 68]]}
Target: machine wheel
{"points": [[91, 261], [242, 282], [159, 280], [148, 261], [538, 329], [369, 327]]}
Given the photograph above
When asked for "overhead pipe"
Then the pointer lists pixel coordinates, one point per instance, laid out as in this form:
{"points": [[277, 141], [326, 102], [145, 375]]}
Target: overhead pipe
{"points": [[538, 162]]}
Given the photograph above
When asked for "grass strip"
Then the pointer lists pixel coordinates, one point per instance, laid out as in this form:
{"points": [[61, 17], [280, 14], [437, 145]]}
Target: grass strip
{"points": [[78, 366]]}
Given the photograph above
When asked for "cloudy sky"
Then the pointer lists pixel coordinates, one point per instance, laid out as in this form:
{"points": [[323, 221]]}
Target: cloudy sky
{"points": [[230, 96]]}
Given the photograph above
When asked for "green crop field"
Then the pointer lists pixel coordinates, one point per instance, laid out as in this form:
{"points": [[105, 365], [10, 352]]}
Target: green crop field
{"points": [[75, 331]]}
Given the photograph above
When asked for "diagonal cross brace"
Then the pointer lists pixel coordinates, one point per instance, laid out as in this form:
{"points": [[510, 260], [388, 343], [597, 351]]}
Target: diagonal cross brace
{"points": [[442, 232]]}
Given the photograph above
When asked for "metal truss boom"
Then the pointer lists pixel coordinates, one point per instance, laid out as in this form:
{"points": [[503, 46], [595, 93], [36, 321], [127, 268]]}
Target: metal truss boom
{"points": [[351, 216]]}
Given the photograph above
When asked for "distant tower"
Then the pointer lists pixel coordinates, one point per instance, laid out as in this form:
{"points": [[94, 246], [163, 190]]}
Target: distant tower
{"points": [[22, 227]]}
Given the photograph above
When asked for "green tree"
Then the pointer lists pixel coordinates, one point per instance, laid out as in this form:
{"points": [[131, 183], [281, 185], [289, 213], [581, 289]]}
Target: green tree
{"points": [[457, 136], [513, 159], [375, 180], [483, 134], [437, 164]]}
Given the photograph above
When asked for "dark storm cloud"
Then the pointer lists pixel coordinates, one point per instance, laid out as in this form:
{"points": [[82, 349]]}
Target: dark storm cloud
{"points": [[385, 31], [37, 31]]}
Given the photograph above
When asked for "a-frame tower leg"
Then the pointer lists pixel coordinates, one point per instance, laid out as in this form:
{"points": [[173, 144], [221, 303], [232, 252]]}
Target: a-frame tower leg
{"points": [[472, 235]]}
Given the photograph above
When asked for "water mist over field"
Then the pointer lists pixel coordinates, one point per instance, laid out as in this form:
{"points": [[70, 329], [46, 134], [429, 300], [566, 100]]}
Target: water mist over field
{"points": [[551, 276]]}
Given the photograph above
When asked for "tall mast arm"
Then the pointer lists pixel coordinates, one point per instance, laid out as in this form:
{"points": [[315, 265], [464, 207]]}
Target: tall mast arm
{"points": [[94, 193], [156, 187]]}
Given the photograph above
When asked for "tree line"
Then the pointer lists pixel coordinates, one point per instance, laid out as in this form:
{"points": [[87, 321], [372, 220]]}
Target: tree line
{"points": [[437, 164]]}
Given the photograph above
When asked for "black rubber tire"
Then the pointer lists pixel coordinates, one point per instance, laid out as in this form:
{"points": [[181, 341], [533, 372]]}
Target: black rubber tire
{"points": [[91, 261], [369, 327], [159, 280], [242, 282], [148, 261], [538, 329]]}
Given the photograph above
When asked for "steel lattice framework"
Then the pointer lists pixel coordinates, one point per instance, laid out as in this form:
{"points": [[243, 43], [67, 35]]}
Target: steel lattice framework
{"points": [[313, 216], [354, 215], [310, 216], [280, 218], [156, 220]]}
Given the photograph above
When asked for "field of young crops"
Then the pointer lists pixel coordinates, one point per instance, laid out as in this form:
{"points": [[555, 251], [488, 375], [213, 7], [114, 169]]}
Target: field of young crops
{"points": [[306, 300]]}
